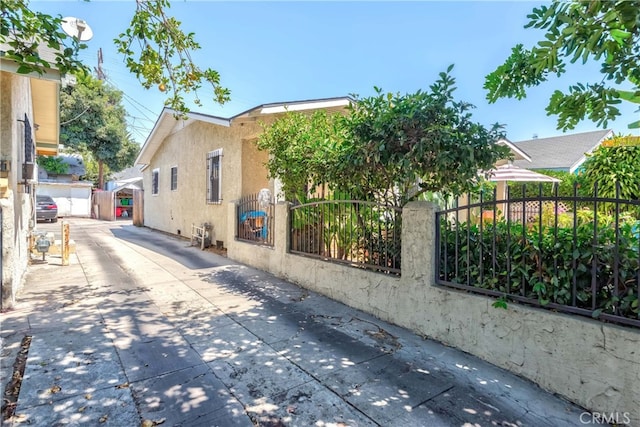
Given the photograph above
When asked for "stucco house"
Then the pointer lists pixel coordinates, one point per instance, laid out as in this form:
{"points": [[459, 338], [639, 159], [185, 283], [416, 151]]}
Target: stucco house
{"points": [[29, 126], [561, 153], [126, 176], [192, 169]]}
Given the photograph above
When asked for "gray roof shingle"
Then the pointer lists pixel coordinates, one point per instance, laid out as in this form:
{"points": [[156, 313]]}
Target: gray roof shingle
{"points": [[565, 152]]}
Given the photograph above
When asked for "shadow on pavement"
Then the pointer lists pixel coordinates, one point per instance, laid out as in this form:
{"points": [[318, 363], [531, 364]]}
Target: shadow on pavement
{"points": [[172, 247]]}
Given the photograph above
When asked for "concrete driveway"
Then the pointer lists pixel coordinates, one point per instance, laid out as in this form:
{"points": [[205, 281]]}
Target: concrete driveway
{"points": [[143, 328]]}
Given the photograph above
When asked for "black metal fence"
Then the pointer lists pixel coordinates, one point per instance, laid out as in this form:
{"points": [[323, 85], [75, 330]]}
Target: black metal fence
{"points": [[255, 214], [358, 233], [574, 254]]}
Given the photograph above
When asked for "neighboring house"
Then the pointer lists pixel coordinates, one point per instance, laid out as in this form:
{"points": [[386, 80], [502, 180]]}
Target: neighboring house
{"points": [[75, 170], [561, 153], [126, 176], [29, 126], [72, 196], [517, 153], [192, 169]]}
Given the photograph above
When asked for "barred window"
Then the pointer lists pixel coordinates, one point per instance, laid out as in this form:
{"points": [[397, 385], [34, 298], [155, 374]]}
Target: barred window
{"points": [[154, 181], [214, 183], [174, 178], [29, 147]]}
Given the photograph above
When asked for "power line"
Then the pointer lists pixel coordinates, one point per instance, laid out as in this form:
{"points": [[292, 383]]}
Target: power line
{"points": [[76, 117], [139, 118], [132, 100]]}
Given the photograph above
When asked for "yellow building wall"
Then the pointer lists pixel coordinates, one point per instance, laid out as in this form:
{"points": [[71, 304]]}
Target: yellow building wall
{"points": [[187, 147], [16, 199], [255, 173]]}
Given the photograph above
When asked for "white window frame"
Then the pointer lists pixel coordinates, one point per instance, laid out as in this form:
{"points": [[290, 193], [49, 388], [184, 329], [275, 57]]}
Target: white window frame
{"points": [[211, 155], [155, 181], [173, 184]]}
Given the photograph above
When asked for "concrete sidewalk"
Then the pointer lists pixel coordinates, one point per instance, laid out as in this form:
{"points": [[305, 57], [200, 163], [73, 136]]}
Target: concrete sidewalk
{"points": [[141, 328]]}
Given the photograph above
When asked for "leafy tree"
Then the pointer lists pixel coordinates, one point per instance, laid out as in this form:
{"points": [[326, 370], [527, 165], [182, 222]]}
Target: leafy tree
{"points": [[53, 164], [155, 49], [92, 168], [24, 30], [388, 147], [611, 163], [305, 150], [410, 144], [606, 31], [93, 120]]}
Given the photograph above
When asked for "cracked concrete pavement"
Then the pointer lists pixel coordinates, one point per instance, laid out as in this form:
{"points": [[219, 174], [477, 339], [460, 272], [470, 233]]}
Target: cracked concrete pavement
{"points": [[143, 327]]}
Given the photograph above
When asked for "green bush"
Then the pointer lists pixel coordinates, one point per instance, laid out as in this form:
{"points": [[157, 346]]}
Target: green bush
{"points": [[53, 165], [360, 232], [540, 264]]}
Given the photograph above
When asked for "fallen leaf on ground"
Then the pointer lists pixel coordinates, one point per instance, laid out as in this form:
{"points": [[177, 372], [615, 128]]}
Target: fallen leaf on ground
{"points": [[123, 385], [151, 423], [103, 419], [55, 389]]}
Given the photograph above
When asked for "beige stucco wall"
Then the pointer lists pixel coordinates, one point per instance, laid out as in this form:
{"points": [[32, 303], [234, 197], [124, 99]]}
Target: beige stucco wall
{"points": [[16, 203], [254, 177], [187, 147], [594, 364]]}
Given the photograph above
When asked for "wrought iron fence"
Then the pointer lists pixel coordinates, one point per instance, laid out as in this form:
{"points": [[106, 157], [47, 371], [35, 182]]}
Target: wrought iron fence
{"points": [[255, 214], [358, 233], [575, 254]]}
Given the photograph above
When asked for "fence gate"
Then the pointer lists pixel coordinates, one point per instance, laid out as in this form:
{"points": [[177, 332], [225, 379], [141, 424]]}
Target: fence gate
{"points": [[255, 218], [138, 207]]}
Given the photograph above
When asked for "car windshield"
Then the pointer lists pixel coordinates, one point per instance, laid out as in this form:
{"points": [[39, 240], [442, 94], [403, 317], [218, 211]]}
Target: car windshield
{"points": [[44, 199]]}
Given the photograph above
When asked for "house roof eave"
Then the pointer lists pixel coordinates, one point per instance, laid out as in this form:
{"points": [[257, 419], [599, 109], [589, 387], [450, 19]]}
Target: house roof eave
{"points": [[282, 107], [163, 128], [582, 159], [45, 99], [520, 153]]}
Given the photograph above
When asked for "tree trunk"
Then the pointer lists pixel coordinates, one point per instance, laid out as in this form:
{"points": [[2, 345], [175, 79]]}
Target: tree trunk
{"points": [[100, 174]]}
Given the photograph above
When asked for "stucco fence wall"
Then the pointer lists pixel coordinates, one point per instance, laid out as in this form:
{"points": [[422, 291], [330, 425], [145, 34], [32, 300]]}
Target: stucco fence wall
{"points": [[593, 364]]}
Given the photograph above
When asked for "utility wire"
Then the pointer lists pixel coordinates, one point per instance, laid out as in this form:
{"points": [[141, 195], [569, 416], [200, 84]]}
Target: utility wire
{"points": [[76, 117], [131, 99]]}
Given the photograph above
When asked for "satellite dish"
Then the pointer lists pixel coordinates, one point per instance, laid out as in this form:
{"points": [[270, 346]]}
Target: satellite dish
{"points": [[77, 28]]}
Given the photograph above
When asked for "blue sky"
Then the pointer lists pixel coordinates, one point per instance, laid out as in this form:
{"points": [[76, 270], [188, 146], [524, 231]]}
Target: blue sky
{"points": [[285, 51]]}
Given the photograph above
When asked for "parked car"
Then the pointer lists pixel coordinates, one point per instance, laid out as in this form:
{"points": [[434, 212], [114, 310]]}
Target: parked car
{"points": [[46, 209]]}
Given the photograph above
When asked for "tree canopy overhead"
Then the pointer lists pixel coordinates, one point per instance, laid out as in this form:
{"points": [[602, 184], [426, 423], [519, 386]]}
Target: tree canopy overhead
{"points": [[154, 46], [93, 120], [305, 150], [577, 31]]}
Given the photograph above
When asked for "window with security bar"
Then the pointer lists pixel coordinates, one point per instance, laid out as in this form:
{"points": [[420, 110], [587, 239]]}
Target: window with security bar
{"points": [[29, 147], [214, 182]]}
